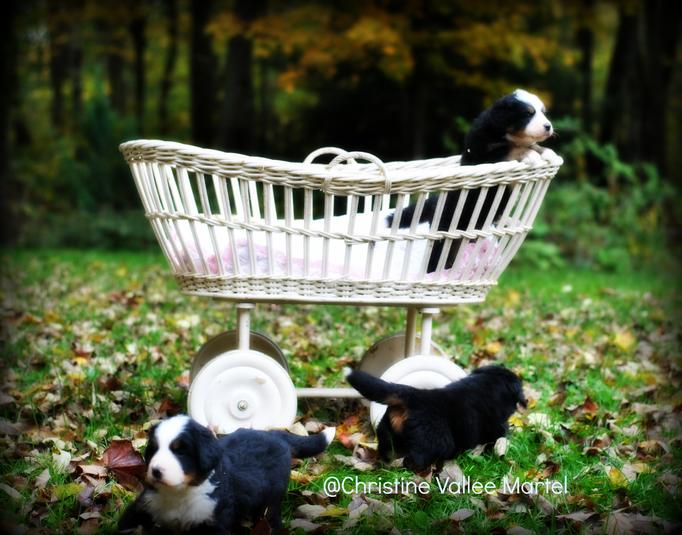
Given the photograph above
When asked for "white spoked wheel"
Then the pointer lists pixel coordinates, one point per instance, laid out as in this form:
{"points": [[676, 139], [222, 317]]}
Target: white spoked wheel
{"points": [[242, 388], [420, 371]]}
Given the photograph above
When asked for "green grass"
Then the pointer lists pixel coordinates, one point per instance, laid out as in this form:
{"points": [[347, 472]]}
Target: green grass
{"points": [[95, 345]]}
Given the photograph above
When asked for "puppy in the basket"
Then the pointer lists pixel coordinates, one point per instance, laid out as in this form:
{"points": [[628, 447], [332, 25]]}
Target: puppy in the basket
{"points": [[197, 483], [509, 130], [428, 427]]}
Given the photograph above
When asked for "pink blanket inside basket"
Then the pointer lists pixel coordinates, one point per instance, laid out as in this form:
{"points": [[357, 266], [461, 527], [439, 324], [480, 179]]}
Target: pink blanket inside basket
{"points": [[222, 252]]}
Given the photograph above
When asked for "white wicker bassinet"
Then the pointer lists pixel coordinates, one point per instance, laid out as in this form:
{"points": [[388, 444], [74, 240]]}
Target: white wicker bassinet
{"points": [[253, 229]]}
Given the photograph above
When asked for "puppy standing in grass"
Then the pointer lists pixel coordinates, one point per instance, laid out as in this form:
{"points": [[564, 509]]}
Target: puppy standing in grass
{"points": [[197, 483], [428, 427]]}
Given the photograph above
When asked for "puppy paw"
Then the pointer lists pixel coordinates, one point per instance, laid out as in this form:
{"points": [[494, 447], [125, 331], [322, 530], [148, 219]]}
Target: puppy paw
{"points": [[329, 434], [531, 158], [346, 371], [550, 156]]}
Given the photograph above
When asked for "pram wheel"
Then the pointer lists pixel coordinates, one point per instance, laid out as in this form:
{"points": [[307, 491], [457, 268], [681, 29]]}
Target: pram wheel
{"points": [[242, 388], [420, 371], [228, 340], [387, 351]]}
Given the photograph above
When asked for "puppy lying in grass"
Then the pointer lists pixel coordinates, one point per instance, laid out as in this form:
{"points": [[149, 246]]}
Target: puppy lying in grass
{"points": [[197, 483], [428, 427]]}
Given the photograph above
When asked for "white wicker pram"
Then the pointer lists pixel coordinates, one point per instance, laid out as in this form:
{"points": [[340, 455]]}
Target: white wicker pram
{"points": [[252, 229]]}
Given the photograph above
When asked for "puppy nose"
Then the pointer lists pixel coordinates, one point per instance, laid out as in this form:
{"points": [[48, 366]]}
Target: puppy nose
{"points": [[548, 127], [156, 473]]}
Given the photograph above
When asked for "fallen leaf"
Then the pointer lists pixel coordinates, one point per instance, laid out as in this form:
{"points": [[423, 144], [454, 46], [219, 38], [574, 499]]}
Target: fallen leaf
{"points": [[354, 462], [618, 523], [303, 524], [501, 445], [11, 492], [126, 464], [452, 473], [61, 492], [96, 470], [616, 477], [121, 456], [62, 460], [493, 348], [297, 428], [543, 504], [539, 419], [518, 530], [579, 517], [462, 514], [43, 478], [309, 511], [8, 428], [624, 340], [299, 477], [90, 514], [516, 420]]}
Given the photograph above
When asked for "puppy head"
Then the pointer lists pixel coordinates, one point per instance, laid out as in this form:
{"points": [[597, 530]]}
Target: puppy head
{"points": [[522, 115], [180, 452], [507, 385]]}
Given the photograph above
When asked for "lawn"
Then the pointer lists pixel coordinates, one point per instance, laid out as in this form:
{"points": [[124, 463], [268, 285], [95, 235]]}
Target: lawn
{"points": [[97, 345]]}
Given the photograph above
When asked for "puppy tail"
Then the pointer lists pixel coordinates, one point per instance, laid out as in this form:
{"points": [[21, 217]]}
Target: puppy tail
{"points": [[376, 389], [302, 447]]}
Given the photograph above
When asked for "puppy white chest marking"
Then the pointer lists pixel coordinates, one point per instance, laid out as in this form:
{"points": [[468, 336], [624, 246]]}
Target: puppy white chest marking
{"points": [[182, 507]]}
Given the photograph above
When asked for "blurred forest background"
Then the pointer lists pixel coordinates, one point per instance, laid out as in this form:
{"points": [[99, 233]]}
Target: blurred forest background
{"points": [[401, 79]]}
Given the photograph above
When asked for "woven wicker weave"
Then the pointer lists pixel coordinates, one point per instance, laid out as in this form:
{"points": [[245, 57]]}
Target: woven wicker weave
{"points": [[253, 229]]}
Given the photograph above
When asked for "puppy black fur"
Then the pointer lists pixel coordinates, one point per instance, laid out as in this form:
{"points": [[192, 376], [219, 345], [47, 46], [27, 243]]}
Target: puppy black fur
{"points": [[490, 139], [430, 426], [249, 469]]}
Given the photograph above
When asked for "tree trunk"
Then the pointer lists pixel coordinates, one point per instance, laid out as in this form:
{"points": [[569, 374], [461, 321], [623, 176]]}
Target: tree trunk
{"points": [[115, 65], [56, 21], [656, 51], [76, 68], [202, 74], [613, 94], [137, 32], [171, 9], [8, 80], [638, 87], [585, 39], [237, 118]]}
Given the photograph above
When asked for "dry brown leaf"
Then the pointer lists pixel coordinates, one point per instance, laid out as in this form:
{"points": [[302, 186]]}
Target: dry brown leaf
{"points": [[462, 514], [354, 462], [96, 470], [309, 511], [578, 517], [303, 524], [299, 477], [125, 464]]}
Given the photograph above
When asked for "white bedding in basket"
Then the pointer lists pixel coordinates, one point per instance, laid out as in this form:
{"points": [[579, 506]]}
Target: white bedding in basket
{"points": [[194, 243]]}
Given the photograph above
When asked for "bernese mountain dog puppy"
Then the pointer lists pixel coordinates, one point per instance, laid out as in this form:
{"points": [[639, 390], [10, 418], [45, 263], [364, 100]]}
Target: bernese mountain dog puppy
{"points": [[509, 130], [198, 483], [430, 426]]}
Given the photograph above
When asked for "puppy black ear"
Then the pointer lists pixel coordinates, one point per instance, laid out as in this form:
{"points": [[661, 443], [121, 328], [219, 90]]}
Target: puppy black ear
{"points": [[206, 448], [151, 448]]}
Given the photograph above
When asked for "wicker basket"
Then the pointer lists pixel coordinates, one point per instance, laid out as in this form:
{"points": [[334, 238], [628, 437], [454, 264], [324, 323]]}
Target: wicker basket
{"points": [[253, 229]]}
